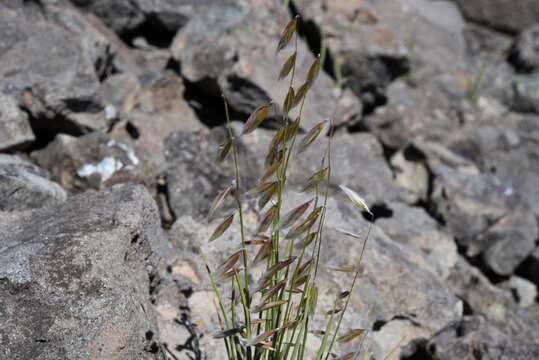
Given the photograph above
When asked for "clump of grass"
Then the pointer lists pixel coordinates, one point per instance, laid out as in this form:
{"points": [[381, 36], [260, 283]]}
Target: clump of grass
{"points": [[269, 318]]}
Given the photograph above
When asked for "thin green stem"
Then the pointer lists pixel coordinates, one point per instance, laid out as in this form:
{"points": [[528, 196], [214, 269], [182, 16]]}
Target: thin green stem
{"points": [[356, 275]]}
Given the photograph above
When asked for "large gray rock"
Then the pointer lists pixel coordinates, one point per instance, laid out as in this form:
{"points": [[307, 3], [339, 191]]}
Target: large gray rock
{"points": [[15, 130], [24, 186], [415, 229], [45, 68], [231, 48], [505, 15], [75, 278], [373, 42], [195, 177]]}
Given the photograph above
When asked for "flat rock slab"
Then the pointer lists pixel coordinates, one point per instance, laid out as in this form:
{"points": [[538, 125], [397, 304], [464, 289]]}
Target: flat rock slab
{"points": [[74, 278]]}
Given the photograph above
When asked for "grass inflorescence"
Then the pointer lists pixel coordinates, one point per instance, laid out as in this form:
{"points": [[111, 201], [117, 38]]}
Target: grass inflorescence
{"points": [[269, 318]]}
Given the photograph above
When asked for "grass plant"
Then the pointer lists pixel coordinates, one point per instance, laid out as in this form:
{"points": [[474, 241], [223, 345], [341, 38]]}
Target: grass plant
{"points": [[269, 318]]}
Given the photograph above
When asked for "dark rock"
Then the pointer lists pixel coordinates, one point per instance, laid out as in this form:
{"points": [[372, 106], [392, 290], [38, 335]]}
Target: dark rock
{"points": [[501, 14], [525, 52], [15, 130], [24, 186], [79, 287], [231, 48]]}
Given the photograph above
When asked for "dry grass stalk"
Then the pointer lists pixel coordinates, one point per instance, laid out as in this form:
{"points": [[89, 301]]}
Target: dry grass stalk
{"points": [[276, 325]]}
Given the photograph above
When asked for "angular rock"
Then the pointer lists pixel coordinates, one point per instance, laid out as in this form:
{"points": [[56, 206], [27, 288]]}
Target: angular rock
{"points": [[75, 278], [163, 16], [472, 335], [372, 43], [525, 51], [501, 14], [524, 291], [496, 304], [90, 161], [230, 48], [415, 229], [44, 67], [24, 186], [15, 130], [194, 175], [411, 174], [509, 241], [195, 178], [425, 113]]}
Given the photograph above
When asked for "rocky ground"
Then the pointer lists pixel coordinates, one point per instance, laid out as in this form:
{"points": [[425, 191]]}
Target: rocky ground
{"points": [[110, 117]]}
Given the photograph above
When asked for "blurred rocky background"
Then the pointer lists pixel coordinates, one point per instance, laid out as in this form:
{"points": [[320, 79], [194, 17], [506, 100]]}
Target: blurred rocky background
{"points": [[110, 120]]}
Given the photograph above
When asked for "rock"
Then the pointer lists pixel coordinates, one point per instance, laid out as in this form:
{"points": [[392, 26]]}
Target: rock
{"points": [[525, 53], [524, 291], [75, 278], [411, 174], [44, 67], [472, 335], [501, 14], [525, 93], [155, 20], [372, 43], [91, 161], [194, 175], [24, 186], [415, 229], [195, 178], [15, 130], [509, 241], [497, 305], [424, 113], [230, 48], [121, 91]]}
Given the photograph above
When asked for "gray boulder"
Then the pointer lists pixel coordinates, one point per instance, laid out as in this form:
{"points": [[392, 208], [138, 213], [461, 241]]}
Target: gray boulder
{"points": [[24, 186], [372, 43], [75, 278], [44, 67], [15, 130], [231, 48]]}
